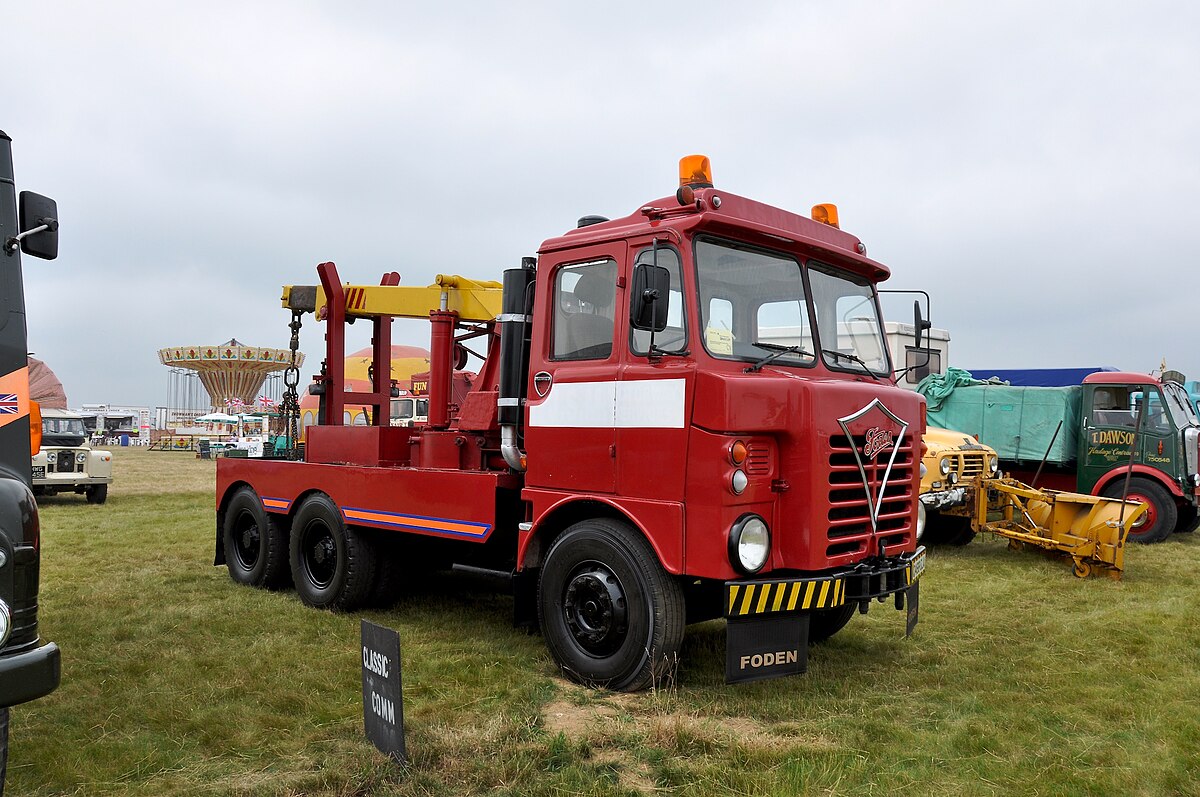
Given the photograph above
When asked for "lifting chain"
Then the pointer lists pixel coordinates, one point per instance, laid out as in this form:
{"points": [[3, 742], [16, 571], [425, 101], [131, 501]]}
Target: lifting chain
{"points": [[290, 408]]}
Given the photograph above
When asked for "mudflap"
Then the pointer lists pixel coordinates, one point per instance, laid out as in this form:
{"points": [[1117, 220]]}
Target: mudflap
{"points": [[912, 597], [757, 648]]}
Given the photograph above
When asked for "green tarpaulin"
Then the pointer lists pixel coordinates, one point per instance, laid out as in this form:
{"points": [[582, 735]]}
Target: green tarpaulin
{"points": [[1019, 422]]}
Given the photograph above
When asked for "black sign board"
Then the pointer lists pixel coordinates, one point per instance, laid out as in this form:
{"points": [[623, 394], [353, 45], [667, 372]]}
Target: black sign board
{"points": [[383, 708], [759, 648]]}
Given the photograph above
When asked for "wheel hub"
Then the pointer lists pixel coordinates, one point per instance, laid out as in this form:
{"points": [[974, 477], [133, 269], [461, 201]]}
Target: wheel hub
{"points": [[321, 555], [1148, 517], [595, 609]]}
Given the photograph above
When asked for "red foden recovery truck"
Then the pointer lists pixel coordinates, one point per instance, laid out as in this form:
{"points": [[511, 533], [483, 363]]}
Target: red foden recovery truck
{"points": [[683, 414]]}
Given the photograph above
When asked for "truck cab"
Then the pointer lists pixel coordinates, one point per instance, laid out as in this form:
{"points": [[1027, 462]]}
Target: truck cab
{"points": [[952, 460], [30, 667], [1166, 460], [66, 463]]}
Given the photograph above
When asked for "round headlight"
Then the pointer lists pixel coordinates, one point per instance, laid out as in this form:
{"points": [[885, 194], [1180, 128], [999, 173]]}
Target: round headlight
{"points": [[993, 465], [924, 470], [81, 457], [920, 520], [738, 482], [954, 478], [52, 456], [944, 465], [749, 544], [5, 623]]}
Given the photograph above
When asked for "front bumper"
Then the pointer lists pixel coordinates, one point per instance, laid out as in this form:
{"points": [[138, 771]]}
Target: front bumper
{"points": [[767, 628], [869, 579], [943, 499], [29, 675]]}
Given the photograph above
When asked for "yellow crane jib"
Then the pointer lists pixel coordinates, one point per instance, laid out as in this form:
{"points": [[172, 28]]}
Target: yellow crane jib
{"points": [[473, 300]]}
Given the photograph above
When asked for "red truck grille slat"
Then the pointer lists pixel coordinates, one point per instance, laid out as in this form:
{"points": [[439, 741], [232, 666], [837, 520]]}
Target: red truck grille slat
{"points": [[758, 459], [849, 505]]}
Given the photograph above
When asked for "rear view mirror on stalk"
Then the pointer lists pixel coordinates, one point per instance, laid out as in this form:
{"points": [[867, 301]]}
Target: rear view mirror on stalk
{"points": [[39, 226], [650, 296], [920, 325]]}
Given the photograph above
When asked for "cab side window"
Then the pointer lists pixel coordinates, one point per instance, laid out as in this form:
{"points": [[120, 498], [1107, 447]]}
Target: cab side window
{"points": [[1118, 406], [584, 304], [674, 337]]}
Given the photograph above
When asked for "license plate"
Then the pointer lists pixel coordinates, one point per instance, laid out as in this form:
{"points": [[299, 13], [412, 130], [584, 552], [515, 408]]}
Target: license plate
{"points": [[918, 566], [39, 471]]}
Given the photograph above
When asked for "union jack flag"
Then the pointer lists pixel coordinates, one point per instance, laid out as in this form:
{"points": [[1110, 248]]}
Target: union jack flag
{"points": [[9, 405], [266, 401]]}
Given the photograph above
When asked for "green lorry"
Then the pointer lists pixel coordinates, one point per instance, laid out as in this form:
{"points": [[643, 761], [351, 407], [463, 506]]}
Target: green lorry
{"points": [[1116, 433]]}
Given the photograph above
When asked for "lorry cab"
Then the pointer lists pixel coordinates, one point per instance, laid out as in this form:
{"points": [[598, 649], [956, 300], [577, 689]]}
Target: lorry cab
{"points": [[1166, 462], [66, 462], [770, 345]]}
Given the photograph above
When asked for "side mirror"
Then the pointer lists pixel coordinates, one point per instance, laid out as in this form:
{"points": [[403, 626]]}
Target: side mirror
{"points": [[39, 226], [920, 325], [650, 297]]}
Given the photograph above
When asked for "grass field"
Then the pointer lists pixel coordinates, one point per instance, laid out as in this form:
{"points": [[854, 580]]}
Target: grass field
{"points": [[1020, 679]]}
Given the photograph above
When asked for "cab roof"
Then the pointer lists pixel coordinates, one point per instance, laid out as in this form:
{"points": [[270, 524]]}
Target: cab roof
{"points": [[734, 216]]}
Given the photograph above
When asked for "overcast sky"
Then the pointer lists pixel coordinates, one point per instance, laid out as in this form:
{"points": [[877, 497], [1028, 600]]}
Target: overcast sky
{"points": [[1033, 165]]}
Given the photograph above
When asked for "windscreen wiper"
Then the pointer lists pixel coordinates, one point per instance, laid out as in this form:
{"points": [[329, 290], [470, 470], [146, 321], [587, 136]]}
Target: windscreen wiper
{"points": [[854, 358], [777, 351]]}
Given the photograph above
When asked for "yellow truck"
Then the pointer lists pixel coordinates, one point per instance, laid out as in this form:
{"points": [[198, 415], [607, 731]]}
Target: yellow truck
{"points": [[951, 463]]}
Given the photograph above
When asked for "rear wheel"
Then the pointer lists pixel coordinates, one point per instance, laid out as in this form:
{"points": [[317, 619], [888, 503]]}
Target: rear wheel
{"points": [[824, 623], [612, 616], [333, 565], [96, 494], [256, 544], [1161, 515], [1188, 519]]}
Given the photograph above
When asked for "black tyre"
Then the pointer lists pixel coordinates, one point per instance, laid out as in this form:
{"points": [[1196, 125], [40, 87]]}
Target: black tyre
{"points": [[3, 747], [824, 623], [1189, 518], [333, 565], [96, 494], [256, 543], [1161, 514], [612, 616], [947, 529]]}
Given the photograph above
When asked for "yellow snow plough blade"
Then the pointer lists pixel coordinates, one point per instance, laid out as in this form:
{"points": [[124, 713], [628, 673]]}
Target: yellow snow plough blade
{"points": [[1089, 529]]}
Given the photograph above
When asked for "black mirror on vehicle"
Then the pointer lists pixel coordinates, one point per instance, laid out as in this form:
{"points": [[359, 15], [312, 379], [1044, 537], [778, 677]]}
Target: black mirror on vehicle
{"points": [[39, 225], [651, 297], [920, 325]]}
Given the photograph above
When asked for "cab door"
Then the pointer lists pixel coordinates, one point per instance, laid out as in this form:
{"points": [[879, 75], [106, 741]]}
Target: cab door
{"points": [[570, 433], [1112, 418], [654, 396]]}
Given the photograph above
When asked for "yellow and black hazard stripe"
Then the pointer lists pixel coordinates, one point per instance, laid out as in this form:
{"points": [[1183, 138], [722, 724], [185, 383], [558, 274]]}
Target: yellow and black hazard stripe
{"points": [[748, 598]]}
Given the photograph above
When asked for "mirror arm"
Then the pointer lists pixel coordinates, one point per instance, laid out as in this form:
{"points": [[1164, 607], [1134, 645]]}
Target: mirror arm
{"points": [[14, 243]]}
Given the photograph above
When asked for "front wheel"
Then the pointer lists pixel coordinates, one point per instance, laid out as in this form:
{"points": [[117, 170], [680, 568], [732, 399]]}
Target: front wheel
{"points": [[1161, 515], [612, 616], [96, 494], [943, 529], [824, 623], [333, 565]]}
